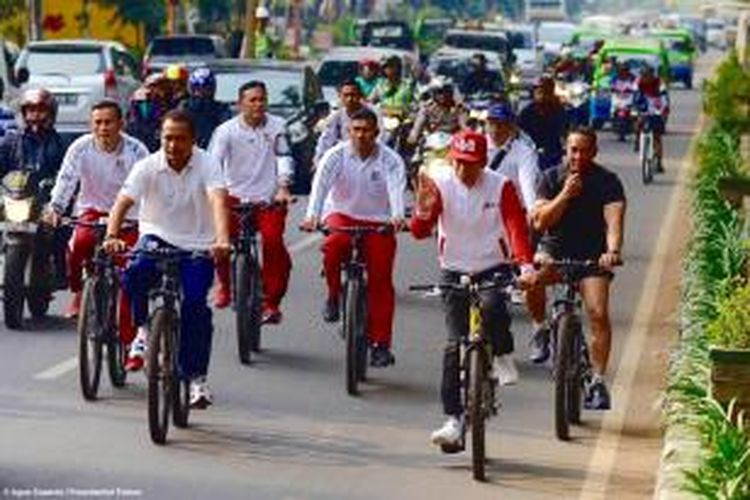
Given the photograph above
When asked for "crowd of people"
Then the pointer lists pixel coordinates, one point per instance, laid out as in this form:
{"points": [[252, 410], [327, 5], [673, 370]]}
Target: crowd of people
{"points": [[522, 189]]}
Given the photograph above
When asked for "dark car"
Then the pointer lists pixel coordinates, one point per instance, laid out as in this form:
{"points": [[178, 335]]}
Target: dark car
{"points": [[191, 50], [294, 93], [387, 34]]}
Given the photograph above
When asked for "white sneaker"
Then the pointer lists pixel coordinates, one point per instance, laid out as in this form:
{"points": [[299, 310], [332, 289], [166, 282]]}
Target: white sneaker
{"points": [[138, 349], [449, 434], [200, 395], [504, 370]]}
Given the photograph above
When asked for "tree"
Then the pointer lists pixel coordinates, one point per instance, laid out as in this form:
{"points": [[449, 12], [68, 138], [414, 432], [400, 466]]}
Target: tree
{"points": [[9, 8], [214, 11], [151, 14]]}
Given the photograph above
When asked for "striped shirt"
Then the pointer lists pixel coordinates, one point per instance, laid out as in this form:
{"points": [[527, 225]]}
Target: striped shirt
{"points": [[369, 189], [100, 174], [255, 160]]}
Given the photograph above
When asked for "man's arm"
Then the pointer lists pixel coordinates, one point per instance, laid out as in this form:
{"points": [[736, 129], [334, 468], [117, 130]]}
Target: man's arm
{"points": [[218, 200], [284, 162], [547, 212], [614, 216], [67, 180], [328, 137], [396, 187], [325, 175], [116, 216], [516, 224]]}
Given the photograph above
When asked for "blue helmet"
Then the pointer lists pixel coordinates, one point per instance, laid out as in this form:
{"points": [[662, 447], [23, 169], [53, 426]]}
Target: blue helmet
{"points": [[201, 80], [501, 112]]}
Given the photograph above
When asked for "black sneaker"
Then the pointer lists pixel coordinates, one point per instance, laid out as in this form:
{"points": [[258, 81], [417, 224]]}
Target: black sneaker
{"points": [[597, 396], [381, 356], [331, 311], [540, 350], [659, 166]]}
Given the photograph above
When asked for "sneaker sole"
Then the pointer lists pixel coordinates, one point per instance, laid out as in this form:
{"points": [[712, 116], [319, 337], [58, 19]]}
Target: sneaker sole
{"points": [[200, 404]]}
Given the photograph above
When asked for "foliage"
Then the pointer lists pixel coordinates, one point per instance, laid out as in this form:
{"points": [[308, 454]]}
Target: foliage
{"points": [[344, 30], [147, 12], [712, 280], [731, 327], [9, 8], [727, 96]]}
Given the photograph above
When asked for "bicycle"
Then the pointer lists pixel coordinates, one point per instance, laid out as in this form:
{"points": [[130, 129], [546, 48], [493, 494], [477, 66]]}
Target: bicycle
{"points": [[572, 365], [478, 390], [248, 286], [354, 320], [168, 393], [98, 321], [648, 158]]}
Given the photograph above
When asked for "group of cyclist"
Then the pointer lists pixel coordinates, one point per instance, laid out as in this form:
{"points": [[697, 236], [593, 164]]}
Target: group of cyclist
{"points": [[499, 203]]}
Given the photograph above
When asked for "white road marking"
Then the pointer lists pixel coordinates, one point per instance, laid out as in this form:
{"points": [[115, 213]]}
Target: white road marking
{"points": [[58, 370], [68, 365], [605, 453]]}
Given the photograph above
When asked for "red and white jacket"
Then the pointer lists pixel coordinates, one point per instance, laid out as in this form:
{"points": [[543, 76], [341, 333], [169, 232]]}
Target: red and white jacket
{"points": [[478, 227]]}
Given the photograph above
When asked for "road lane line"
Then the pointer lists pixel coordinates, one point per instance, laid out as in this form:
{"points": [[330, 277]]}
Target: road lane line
{"points": [[603, 458], [68, 365], [58, 370]]}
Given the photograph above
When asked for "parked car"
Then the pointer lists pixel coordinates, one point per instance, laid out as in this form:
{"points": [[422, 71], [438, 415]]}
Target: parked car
{"points": [[342, 63], [294, 93], [190, 50], [387, 34], [79, 73], [716, 34]]}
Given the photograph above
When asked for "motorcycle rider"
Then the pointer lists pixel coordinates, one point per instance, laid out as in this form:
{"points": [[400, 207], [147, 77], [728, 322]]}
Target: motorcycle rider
{"points": [[441, 113], [147, 106], [545, 120], [207, 112], [368, 77], [480, 79], [38, 148], [624, 80], [393, 94], [650, 88]]}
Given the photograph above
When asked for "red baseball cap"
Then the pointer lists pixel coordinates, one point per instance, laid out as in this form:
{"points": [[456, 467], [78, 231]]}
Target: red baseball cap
{"points": [[469, 146]]}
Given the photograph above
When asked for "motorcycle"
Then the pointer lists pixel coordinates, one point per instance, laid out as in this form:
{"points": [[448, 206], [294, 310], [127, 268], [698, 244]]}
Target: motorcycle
{"points": [[622, 113], [29, 271], [575, 97]]}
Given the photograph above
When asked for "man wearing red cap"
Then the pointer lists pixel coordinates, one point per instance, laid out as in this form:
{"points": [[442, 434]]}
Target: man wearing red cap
{"points": [[482, 225], [361, 182]]}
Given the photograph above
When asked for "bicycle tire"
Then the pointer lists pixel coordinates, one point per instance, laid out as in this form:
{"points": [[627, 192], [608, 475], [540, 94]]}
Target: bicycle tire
{"points": [[563, 366], [361, 336], [242, 304], [575, 382], [160, 375], [89, 343], [476, 411], [116, 350], [351, 323], [181, 403], [256, 311], [647, 170]]}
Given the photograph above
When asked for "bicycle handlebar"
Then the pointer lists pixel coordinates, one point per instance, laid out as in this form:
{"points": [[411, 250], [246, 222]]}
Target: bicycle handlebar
{"points": [[165, 253], [500, 279]]}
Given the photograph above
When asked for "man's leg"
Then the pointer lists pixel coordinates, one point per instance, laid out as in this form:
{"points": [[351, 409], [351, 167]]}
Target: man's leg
{"points": [[380, 253], [277, 264], [496, 322], [196, 276], [595, 293], [336, 250], [456, 310], [125, 311], [80, 250]]}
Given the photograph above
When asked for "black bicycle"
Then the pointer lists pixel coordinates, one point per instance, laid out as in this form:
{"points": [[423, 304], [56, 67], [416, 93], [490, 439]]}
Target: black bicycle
{"points": [[248, 285], [572, 365], [478, 389], [98, 324], [168, 393], [354, 320]]}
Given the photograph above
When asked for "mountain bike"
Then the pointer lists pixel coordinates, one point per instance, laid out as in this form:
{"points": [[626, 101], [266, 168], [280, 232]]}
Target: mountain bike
{"points": [[478, 388]]}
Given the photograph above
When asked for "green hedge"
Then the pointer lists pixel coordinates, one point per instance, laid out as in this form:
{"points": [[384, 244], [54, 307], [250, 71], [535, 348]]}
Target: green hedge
{"points": [[713, 283]]}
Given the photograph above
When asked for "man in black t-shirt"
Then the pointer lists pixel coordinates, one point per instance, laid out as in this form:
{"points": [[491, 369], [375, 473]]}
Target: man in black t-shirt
{"points": [[580, 213], [546, 122]]}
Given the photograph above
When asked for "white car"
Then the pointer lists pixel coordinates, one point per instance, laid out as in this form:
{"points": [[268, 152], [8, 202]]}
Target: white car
{"points": [[79, 73], [716, 33]]}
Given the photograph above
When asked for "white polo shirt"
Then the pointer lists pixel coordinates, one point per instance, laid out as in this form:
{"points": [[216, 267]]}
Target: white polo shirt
{"points": [[175, 206], [100, 174], [520, 164], [370, 189], [255, 160]]}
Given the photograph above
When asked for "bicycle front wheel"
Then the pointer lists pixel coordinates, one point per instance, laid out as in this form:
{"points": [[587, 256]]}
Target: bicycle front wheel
{"points": [[116, 350], [354, 333], [477, 410], [567, 376], [90, 336], [647, 157], [248, 316], [161, 380]]}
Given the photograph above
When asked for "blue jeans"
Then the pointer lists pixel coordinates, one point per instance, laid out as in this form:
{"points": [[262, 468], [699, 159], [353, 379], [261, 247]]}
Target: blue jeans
{"points": [[196, 277]]}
